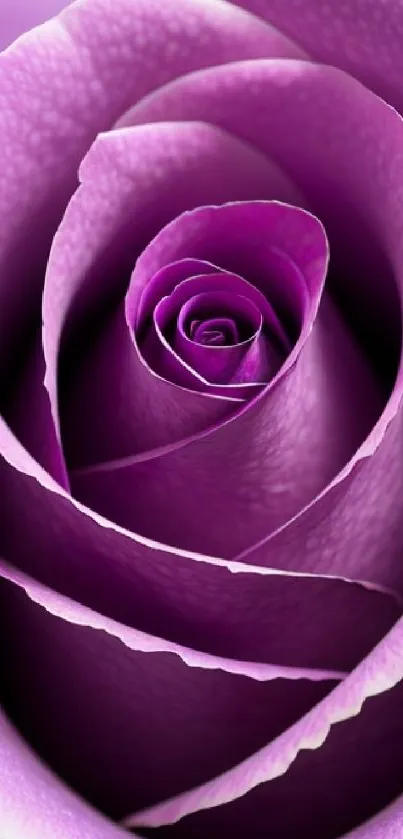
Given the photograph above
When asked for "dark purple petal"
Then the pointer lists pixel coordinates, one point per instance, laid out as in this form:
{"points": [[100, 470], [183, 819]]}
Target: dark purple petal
{"points": [[36, 803], [298, 789], [127, 719], [262, 354], [384, 825]]}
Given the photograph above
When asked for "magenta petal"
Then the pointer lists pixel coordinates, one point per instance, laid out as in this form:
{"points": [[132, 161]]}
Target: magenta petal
{"points": [[216, 364], [279, 249], [214, 331], [162, 284], [360, 215], [124, 577], [33, 798]]}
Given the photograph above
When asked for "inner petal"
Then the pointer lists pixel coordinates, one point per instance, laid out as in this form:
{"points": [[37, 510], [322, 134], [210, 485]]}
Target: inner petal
{"points": [[214, 328], [213, 358], [214, 331], [233, 319]]}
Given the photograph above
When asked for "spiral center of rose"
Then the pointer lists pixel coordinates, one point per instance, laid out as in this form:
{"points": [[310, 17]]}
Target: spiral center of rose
{"points": [[211, 328], [214, 331]]}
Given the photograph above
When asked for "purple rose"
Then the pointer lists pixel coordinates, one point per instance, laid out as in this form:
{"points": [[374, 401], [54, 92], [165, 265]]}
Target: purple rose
{"points": [[201, 275]]}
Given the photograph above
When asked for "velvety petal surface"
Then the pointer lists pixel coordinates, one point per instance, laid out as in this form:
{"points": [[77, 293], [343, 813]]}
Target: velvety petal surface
{"points": [[362, 37], [224, 608], [127, 574], [385, 825]]}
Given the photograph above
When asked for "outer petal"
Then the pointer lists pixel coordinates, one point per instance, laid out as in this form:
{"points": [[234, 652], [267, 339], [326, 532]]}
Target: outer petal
{"points": [[128, 719], [363, 37], [343, 147], [225, 608], [320, 793], [388, 824], [35, 804]]}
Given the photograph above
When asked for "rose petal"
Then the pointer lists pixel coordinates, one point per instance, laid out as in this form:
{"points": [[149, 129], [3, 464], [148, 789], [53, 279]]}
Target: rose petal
{"points": [[363, 38], [317, 792], [343, 147], [101, 685], [163, 283], [227, 609]]}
